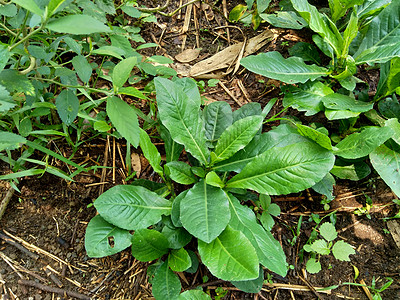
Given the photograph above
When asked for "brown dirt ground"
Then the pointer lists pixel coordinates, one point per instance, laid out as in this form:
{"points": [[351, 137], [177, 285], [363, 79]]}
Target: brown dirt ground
{"points": [[51, 215]]}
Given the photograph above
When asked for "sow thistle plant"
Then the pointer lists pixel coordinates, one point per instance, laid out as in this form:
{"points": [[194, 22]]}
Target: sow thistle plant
{"points": [[226, 158]]}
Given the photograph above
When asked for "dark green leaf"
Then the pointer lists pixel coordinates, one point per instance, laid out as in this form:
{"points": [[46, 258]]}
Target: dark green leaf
{"points": [[217, 117], [285, 19], [177, 237], [353, 172], [165, 285], [179, 260], [180, 172], [148, 244], [325, 186], [67, 106], [342, 102], [390, 108], [305, 51], [150, 152], [122, 71], [82, 67]]}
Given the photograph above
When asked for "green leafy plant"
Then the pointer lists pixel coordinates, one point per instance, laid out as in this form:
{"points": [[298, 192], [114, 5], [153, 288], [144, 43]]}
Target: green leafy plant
{"points": [[249, 13], [325, 246], [218, 144]]}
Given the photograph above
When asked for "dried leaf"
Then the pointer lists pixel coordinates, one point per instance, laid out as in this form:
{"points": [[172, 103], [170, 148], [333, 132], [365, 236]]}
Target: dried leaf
{"points": [[136, 164], [188, 55]]}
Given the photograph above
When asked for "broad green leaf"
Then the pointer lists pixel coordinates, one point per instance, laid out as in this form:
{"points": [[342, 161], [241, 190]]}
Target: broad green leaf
{"points": [[307, 97], [362, 143], [103, 239], [313, 266], [109, 51], [285, 170], [180, 172], [106, 6], [381, 41], [340, 114], [341, 251], [194, 295], [6, 101], [237, 136], [390, 107], [131, 11], [213, 179], [269, 251], [122, 71], [306, 51], [342, 102], [179, 260], [131, 91], [150, 152], [317, 23], [132, 207], [29, 5], [67, 106], [262, 5], [230, 256], [205, 211], [320, 247], [290, 70], [101, 126], [177, 237], [353, 172], [172, 149], [318, 137], [4, 55], [77, 24], [217, 117], [340, 7], [370, 7], [124, 119], [10, 141], [350, 32], [285, 19], [82, 67], [325, 186], [8, 10], [251, 286], [148, 244], [394, 124], [15, 82], [176, 209], [247, 110], [393, 78], [181, 115], [166, 284], [328, 231], [53, 6], [387, 163]]}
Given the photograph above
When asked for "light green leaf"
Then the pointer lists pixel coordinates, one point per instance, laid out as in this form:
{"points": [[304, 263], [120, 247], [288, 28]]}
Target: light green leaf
{"points": [[10, 141], [6, 101], [103, 239], [131, 91], [237, 136], [150, 152], [251, 286], [122, 71], [320, 247], [148, 244], [124, 119], [194, 295], [290, 70], [166, 284], [394, 124], [269, 251], [109, 51], [29, 5], [67, 106], [362, 143], [381, 41], [370, 7], [77, 24], [53, 6], [313, 266], [101, 126], [342, 102], [205, 211], [15, 82], [230, 256], [8, 10], [340, 7], [213, 179], [387, 163], [307, 97], [285, 170], [181, 115], [4, 55], [132, 207], [353, 172], [180, 172], [82, 67], [340, 114], [318, 137], [237, 12], [217, 117], [341, 251], [285, 19], [262, 5], [350, 32], [179, 260], [328, 231]]}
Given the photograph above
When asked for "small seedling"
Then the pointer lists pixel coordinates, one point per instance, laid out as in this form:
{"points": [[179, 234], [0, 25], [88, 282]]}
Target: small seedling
{"points": [[325, 246], [365, 210]]}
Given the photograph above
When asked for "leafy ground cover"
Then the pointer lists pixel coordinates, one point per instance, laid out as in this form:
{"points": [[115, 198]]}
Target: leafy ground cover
{"points": [[203, 189]]}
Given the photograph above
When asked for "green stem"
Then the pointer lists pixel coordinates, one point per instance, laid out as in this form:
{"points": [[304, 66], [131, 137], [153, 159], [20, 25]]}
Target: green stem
{"points": [[106, 92], [10, 48], [8, 30]]}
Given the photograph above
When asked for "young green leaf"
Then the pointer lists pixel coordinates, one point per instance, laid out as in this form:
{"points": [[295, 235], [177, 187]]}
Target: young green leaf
{"points": [[290, 70], [132, 207], [328, 231], [67, 106], [150, 152], [4, 55], [213, 179], [103, 239], [341, 251], [387, 163], [285, 170], [131, 91], [82, 67], [325, 186], [205, 211], [77, 24], [320, 247], [122, 71], [165, 285], [194, 295], [269, 251], [353, 172], [180, 172], [318, 137], [179, 260], [148, 244], [124, 119], [230, 256], [217, 117], [53, 6], [176, 209], [181, 115], [247, 110], [313, 266], [285, 19], [362, 143]]}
